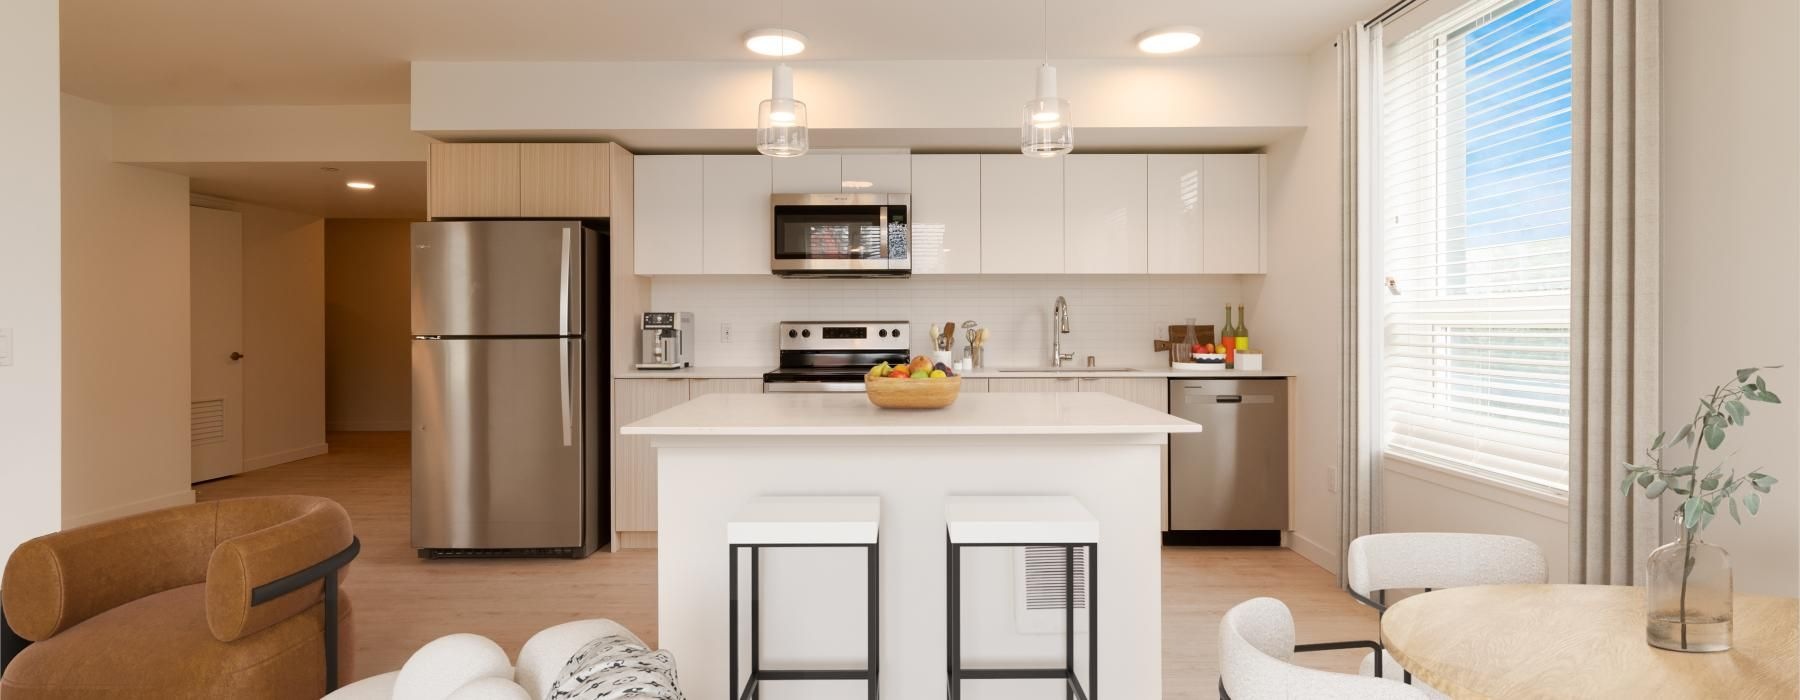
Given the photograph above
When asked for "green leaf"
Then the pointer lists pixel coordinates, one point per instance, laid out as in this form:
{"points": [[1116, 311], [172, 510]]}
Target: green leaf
{"points": [[1769, 397], [1645, 478], [1655, 488], [1752, 502], [1737, 411], [1709, 484], [1746, 373], [1684, 471], [1679, 490], [1732, 503], [1762, 483], [1656, 443], [1715, 436], [1761, 386], [1690, 512], [1686, 433], [1625, 486]]}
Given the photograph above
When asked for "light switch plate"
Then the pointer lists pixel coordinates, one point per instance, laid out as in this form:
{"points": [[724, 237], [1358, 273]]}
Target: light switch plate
{"points": [[5, 347], [725, 333]]}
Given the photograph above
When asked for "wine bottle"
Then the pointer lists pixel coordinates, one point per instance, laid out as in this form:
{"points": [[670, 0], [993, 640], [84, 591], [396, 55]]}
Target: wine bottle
{"points": [[1227, 340], [1243, 331]]}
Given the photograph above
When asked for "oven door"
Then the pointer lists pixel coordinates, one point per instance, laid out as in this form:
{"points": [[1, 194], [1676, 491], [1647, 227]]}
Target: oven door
{"points": [[844, 236]]}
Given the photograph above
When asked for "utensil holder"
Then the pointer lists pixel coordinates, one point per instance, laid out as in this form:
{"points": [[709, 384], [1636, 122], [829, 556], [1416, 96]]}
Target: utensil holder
{"points": [[944, 356], [975, 356]]}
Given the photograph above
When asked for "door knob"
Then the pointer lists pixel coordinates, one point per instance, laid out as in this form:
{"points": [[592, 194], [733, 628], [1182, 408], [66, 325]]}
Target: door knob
{"points": [[237, 356]]}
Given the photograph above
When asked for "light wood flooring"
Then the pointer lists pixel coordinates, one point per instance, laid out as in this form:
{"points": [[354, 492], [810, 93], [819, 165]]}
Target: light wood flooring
{"points": [[402, 602]]}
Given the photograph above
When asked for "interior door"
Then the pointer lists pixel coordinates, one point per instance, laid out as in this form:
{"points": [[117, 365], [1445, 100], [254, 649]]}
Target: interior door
{"points": [[216, 300]]}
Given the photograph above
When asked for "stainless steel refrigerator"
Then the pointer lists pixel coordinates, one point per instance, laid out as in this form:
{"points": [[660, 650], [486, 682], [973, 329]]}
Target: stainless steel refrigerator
{"points": [[509, 375]]}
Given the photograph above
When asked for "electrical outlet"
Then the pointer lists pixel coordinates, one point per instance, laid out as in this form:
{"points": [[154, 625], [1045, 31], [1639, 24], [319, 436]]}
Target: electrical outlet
{"points": [[725, 333], [6, 347], [1331, 478]]}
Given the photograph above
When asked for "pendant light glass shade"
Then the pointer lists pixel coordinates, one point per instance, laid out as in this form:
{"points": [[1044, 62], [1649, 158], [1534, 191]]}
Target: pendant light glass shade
{"points": [[781, 120], [1046, 131]]}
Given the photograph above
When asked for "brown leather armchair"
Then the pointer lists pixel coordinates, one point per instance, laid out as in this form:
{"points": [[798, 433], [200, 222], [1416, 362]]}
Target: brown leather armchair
{"points": [[235, 598]]}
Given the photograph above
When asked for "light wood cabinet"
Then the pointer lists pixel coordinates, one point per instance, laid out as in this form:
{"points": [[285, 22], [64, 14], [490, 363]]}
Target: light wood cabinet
{"points": [[634, 460], [946, 214], [1151, 393], [669, 224], [1010, 385], [564, 180], [735, 215], [885, 173], [974, 386], [1103, 214], [1021, 215], [1174, 215], [818, 173], [1231, 207], [473, 180]]}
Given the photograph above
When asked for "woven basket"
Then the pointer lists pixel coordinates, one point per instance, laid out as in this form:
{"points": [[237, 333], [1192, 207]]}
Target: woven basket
{"points": [[913, 393]]}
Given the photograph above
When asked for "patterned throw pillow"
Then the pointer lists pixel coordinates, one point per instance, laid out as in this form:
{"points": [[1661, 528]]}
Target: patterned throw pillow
{"points": [[615, 668]]}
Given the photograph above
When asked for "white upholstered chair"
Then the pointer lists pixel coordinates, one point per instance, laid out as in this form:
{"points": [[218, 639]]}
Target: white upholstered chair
{"points": [[472, 667], [1433, 560], [1256, 648]]}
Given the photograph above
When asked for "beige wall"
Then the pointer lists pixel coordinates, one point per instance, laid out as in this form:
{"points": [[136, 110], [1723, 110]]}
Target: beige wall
{"points": [[1730, 251], [30, 273], [1296, 309], [284, 336], [368, 361], [125, 327]]}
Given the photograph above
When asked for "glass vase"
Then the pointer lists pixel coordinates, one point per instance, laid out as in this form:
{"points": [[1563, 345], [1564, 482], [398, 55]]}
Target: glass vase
{"points": [[1689, 595]]}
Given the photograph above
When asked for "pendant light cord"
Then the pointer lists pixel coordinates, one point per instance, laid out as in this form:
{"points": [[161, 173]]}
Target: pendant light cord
{"points": [[1046, 13]]}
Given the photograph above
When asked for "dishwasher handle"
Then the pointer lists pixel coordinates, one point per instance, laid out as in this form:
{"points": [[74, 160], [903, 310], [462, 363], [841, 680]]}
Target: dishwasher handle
{"points": [[1192, 396]]}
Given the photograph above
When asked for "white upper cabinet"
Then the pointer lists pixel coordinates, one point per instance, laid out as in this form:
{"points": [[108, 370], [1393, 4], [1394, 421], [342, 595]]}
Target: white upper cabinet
{"points": [[946, 214], [1232, 222], [809, 174], [887, 173], [1103, 214], [668, 226], [1021, 214], [1174, 214], [736, 215]]}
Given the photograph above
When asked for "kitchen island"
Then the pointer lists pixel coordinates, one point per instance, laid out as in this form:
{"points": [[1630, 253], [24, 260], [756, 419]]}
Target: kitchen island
{"points": [[717, 452]]}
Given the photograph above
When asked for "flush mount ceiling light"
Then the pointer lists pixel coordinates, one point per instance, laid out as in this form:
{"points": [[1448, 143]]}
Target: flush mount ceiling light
{"points": [[1169, 40], [1046, 132], [775, 41], [781, 119], [359, 185]]}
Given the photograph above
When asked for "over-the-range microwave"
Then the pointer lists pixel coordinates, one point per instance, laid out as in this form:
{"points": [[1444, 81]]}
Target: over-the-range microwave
{"points": [[841, 235]]}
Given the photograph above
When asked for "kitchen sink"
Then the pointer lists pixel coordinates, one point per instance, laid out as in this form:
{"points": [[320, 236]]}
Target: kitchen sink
{"points": [[1069, 369]]}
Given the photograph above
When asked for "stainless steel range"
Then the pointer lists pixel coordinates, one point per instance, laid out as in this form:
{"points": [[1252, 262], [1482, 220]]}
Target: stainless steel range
{"points": [[829, 356]]}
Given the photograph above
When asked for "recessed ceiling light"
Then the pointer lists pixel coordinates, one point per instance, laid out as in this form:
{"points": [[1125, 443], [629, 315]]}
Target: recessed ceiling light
{"points": [[1169, 40], [359, 185], [775, 41]]}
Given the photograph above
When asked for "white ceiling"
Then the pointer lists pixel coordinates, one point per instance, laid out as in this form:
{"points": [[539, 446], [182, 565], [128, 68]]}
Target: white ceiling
{"points": [[307, 189], [223, 52]]}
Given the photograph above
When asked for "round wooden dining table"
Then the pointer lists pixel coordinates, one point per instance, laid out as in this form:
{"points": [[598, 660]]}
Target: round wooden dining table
{"points": [[1571, 641]]}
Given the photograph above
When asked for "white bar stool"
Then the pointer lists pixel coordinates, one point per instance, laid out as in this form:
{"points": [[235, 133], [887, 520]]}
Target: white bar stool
{"points": [[803, 522], [1025, 521]]}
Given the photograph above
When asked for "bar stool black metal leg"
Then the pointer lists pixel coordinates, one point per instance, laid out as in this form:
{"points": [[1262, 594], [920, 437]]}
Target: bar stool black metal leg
{"points": [[1069, 622], [1093, 602], [955, 635], [733, 626], [874, 621], [756, 620]]}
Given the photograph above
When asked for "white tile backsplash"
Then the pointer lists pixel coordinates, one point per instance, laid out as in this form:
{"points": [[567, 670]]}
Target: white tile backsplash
{"points": [[1114, 317]]}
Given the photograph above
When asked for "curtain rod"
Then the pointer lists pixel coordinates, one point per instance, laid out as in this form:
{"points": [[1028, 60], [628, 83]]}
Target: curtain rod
{"points": [[1395, 10]]}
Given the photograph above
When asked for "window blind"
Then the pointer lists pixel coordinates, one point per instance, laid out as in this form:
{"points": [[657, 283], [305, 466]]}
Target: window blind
{"points": [[1474, 204]]}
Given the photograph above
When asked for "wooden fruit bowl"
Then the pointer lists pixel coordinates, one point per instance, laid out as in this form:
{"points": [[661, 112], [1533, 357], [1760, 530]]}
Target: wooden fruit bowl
{"points": [[913, 393]]}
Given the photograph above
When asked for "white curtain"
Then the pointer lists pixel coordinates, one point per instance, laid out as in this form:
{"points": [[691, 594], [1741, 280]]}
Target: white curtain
{"points": [[1613, 411]]}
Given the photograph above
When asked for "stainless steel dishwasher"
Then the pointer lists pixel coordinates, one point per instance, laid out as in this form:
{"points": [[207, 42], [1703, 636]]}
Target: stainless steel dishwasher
{"points": [[1228, 483]]}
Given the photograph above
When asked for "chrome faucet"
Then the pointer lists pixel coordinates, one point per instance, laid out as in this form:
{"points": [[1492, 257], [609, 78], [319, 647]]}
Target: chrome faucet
{"points": [[1059, 327]]}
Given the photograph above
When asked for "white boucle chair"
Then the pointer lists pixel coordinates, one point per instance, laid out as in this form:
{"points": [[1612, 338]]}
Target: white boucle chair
{"points": [[1256, 649], [1429, 561], [473, 667]]}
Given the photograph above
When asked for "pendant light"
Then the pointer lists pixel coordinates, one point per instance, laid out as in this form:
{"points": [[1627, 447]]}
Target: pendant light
{"points": [[1046, 131], [781, 120]]}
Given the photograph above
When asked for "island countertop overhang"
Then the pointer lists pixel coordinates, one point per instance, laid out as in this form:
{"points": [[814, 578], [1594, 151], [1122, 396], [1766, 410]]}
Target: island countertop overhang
{"points": [[851, 415]]}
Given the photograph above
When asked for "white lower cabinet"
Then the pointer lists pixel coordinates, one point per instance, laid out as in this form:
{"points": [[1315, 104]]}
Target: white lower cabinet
{"points": [[1011, 385], [1151, 393], [634, 460]]}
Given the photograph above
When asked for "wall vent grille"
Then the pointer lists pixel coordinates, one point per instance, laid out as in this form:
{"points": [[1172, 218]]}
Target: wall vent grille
{"points": [[207, 422]]}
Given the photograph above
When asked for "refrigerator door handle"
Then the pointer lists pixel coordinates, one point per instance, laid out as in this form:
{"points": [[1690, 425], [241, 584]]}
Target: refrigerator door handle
{"points": [[562, 350], [563, 315]]}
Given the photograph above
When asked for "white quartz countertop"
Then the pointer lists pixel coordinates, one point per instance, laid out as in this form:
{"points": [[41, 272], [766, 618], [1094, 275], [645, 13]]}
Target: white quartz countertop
{"points": [[696, 373], [756, 372], [973, 414]]}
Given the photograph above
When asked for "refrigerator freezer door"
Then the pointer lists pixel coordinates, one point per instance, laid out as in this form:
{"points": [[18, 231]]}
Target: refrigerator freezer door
{"points": [[497, 447], [486, 278]]}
